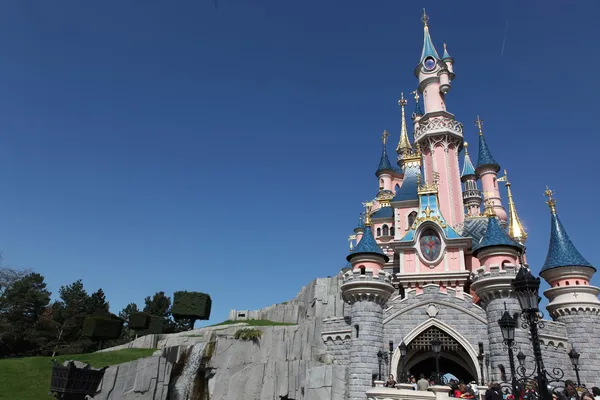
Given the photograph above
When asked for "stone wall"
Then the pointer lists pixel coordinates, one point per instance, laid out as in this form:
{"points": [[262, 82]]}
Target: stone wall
{"points": [[319, 299], [582, 329], [460, 313], [143, 379], [336, 333]]}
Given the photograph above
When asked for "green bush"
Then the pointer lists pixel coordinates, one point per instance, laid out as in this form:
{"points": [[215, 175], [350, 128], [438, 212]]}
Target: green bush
{"points": [[102, 327], [155, 326], [248, 334], [138, 321], [191, 305]]}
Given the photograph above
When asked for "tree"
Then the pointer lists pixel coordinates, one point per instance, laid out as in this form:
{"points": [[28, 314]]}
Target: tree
{"points": [[128, 310], [97, 303], [189, 307], [158, 305], [8, 276], [69, 314], [21, 306]]}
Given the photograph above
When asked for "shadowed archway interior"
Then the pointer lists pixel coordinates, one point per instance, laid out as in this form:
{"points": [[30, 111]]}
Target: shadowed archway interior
{"points": [[454, 359]]}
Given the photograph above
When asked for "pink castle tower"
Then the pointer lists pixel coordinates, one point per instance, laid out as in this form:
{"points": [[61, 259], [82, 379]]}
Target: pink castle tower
{"points": [[439, 135]]}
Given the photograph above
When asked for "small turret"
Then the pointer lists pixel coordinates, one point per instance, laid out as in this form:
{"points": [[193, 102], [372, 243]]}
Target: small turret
{"points": [[360, 228], [471, 195], [385, 170], [367, 252], [487, 170], [446, 58], [404, 146], [573, 301], [496, 247]]}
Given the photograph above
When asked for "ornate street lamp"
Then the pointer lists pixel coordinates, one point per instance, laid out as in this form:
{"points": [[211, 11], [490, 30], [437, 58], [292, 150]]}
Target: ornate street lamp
{"points": [[480, 358], [436, 345], [521, 358], [574, 356], [403, 351], [526, 288], [508, 324], [391, 350], [379, 359]]}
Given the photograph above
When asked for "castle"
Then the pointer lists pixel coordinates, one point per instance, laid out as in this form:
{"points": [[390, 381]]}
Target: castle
{"points": [[435, 253]]}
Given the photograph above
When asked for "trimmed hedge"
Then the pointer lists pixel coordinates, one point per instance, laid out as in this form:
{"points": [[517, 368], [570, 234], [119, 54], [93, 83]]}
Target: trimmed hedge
{"points": [[191, 305], [138, 321], [102, 327], [155, 326]]}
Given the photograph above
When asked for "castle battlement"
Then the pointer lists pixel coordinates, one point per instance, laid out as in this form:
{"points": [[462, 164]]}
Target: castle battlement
{"points": [[496, 271], [359, 276]]}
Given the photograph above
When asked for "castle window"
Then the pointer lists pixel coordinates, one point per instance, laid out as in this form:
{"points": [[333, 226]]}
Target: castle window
{"points": [[567, 283], [381, 183], [396, 188], [557, 283], [356, 330], [378, 231], [411, 218], [363, 270], [392, 231], [577, 282], [430, 244], [386, 230]]}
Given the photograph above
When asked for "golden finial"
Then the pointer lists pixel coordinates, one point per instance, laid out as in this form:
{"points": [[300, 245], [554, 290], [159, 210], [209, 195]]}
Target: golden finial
{"points": [[415, 94], [385, 136], [515, 228], [368, 206], [551, 200], [479, 125], [489, 208], [466, 146], [445, 46], [350, 239], [404, 143], [425, 18]]}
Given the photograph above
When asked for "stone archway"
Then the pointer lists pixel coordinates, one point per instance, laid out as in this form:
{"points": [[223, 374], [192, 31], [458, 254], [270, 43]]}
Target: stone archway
{"points": [[458, 356]]}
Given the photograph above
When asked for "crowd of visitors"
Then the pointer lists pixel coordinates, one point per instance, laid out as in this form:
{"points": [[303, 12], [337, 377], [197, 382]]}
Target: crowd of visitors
{"points": [[497, 391]]}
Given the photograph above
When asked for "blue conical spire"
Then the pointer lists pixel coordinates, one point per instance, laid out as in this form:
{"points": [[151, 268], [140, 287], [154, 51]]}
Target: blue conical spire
{"points": [[495, 235], [367, 245], [485, 156], [428, 47], [561, 251], [468, 169], [446, 56], [384, 161]]}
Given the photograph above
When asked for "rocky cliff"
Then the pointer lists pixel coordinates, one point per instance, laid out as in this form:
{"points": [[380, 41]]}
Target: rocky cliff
{"points": [[285, 362]]}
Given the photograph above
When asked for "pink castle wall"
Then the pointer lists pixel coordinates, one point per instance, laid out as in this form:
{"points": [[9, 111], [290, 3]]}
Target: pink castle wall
{"points": [[369, 266], [569, 282], [459, 212], [433, 100], [497, 260], [489, 186]]}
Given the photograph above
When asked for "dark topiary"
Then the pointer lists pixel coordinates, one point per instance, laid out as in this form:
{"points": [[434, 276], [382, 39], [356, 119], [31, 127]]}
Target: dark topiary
{"points": [[156, 325], [138, 321], [191, 306], [102, 327]]}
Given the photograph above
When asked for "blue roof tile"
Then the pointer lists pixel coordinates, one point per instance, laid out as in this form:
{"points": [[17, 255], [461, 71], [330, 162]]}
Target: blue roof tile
{"points": [[383, 212], [485, 156], [446, 55], [367, 245], [495, 235], [384, 163], [428, 47], [408, 190], [561, 251], [468, 168]]}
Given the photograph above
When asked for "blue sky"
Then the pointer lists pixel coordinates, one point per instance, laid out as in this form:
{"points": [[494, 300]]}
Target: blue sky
{"points": [[151, 145]]}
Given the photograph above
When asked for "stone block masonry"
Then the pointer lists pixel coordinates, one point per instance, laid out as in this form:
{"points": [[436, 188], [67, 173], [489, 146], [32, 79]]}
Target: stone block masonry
{"points": [[582, 329]]}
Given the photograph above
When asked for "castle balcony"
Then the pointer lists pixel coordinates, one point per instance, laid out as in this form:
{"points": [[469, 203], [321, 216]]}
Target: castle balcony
{"points": [[438, 123], [467, 194]]}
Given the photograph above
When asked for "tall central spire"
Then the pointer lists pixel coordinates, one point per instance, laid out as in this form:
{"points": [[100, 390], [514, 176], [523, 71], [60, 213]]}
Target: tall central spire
{"points": [[428, 47], [404, 143], [515, 228]]}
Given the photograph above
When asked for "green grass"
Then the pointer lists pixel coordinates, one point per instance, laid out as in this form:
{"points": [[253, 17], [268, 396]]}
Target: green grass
{"points": [[29, 378], [255, 322]]}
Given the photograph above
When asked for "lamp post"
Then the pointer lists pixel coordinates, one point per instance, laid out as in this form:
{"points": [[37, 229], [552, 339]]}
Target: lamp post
{"points": [[526, 287], [391, 350], [403, 351], [487, 367], [379, 359], [508, 324], [480, 358], [436, 345], [574, 356]]}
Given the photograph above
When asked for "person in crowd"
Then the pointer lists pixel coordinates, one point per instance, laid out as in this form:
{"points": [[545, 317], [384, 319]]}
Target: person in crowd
{"points": [[422, 383], [494, 392], [570, 391], [587, 396], [596, 393], [413, 381], [391, 382]]}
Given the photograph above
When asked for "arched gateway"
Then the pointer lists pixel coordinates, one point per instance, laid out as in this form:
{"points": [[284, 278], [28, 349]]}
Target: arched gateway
{"points": [[458, 357]]}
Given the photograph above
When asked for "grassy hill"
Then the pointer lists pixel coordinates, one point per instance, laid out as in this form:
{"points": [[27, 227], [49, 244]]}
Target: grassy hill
{"points": [[29, 378]]}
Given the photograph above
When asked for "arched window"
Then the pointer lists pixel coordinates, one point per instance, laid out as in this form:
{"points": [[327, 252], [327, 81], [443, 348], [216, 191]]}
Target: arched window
{"points": [[577, 282], [363, 269], [392, 231], [386, 230], [411, 218], [378, 231], [567, 283], [381, 183]]}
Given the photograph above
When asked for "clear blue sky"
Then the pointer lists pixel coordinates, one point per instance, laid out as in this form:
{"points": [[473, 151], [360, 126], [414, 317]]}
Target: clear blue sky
{"points": [[153, 145]]}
